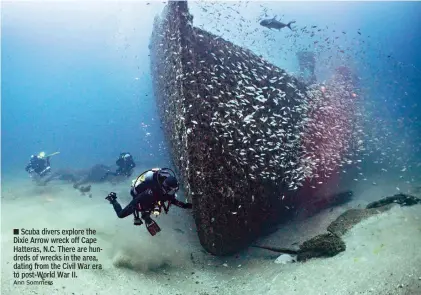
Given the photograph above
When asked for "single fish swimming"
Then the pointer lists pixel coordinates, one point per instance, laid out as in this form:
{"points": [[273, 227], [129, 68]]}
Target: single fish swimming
{"points": [[272, 23]]}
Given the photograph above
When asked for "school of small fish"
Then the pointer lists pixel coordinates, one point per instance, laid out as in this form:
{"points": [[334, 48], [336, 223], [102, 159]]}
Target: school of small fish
{"points": [[386, 88], [258, 115]]}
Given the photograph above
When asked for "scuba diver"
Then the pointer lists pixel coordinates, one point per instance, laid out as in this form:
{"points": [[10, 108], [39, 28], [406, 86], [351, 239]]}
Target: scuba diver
{"points": [[150, 190], [39, 164], [125, 165]]}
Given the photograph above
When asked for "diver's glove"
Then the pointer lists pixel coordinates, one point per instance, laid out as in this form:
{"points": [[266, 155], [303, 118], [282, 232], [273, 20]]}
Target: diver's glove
{"points": [[111, 197], [188, 206]]}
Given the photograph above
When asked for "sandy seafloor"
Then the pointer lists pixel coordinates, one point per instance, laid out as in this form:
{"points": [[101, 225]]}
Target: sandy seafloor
{"points": [[383, 254]]}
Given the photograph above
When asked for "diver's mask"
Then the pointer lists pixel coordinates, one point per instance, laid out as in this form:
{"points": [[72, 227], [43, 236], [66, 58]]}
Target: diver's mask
{"points": [[169, 190]]}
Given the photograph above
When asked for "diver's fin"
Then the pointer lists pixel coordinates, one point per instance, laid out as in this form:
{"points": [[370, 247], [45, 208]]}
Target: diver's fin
{"points": [[153, 228]]}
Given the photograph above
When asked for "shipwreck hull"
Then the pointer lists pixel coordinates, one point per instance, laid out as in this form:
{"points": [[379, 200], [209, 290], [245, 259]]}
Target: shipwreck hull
{"points": [[234, 125]]}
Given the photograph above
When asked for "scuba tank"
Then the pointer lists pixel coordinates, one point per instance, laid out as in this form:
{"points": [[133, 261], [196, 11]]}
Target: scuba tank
{"points": [[161, 172], [152, 226]]}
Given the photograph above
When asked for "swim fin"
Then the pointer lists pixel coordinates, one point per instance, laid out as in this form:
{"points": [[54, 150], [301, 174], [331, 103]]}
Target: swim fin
{"points": [[153, 228]]}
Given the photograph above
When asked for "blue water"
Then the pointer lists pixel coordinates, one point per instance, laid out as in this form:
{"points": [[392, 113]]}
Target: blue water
{"points": [[76, 77]]}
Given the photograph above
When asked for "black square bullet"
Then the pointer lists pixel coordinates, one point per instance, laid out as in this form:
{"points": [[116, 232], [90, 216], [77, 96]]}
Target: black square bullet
{"points": [[16, 231]]}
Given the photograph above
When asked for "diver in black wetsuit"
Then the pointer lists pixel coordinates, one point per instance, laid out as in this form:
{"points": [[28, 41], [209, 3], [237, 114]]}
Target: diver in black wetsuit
{"points": [[125, 165], [39, 165], [150, 191]]}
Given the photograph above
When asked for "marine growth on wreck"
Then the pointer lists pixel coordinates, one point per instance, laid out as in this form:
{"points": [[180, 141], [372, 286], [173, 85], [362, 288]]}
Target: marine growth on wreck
{"points": [[244, 135]]}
